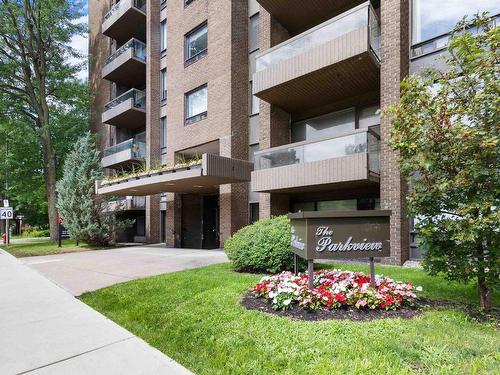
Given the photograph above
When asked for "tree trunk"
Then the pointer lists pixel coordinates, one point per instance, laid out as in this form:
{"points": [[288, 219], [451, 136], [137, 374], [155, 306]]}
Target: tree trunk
{"points": [[484, 293], [49, 173]]}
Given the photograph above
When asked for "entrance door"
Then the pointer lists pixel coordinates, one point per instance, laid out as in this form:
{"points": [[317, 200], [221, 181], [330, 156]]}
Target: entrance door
{"points": [[210, 222], [191, 237]]}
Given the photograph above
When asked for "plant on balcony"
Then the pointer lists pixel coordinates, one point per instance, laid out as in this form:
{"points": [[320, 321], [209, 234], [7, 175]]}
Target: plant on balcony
{"points": [[446, 130], [263, 246], [84, 213], [334, 289], [142, 170]]}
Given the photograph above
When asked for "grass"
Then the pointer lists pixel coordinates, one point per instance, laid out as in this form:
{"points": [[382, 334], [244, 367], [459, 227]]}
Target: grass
{"points": [[43, 246], [195, 318]]}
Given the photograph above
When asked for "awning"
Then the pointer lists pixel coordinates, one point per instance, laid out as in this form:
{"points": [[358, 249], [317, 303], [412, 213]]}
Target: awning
{"points": [[206, 177]]}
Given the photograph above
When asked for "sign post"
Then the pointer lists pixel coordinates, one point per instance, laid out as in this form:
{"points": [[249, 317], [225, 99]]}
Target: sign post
{"points": [[7, 213], [59, 221], [340, 235]]}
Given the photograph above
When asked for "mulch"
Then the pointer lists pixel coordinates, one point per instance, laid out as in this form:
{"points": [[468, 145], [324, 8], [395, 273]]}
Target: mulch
{"points": [[353, 314]]}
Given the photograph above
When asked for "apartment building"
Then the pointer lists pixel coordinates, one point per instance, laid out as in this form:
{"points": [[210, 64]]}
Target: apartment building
{"points": [[245, 109]]}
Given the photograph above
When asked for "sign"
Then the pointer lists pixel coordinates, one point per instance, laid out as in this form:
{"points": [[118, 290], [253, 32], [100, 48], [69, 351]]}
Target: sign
{"points": [[6, 203], [6, 213], [340, 234]]}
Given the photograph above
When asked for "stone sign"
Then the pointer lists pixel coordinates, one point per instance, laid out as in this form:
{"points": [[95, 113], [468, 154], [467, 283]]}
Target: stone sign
{"points": [[340, 234]]}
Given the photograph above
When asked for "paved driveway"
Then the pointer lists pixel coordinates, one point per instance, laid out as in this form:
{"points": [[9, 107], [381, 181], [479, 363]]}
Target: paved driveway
{"points": [[91, 270]]}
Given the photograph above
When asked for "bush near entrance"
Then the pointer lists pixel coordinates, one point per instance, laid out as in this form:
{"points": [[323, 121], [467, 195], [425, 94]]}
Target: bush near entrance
{"points": [[263, 246]]}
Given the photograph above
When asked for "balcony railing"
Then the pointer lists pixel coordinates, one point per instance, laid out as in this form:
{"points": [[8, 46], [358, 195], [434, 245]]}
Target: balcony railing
{"points": [[356, 18], [139, 4], [136, 145], [138, 48], [361, 141], [138, 98]]}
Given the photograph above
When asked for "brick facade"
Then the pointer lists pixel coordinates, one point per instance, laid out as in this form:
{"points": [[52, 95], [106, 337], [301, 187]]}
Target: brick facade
{"points": [[225, 71], [153, 113], [395, 65]]}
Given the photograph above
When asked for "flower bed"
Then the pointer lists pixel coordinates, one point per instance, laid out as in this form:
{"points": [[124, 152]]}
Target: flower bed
{"points": [[334, 289]]}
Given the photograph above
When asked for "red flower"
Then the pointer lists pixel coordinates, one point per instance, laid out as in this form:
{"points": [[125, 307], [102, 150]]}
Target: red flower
{"points": [[340, 297]]}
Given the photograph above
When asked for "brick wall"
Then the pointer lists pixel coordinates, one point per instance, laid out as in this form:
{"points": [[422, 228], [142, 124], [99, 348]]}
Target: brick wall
{"points": [[274, 122], [98, 52], [225, 71], [395, 64], [153, 113]]}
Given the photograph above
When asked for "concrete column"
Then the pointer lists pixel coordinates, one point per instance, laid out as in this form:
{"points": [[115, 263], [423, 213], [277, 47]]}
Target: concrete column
{"points": [[173, 220], [153, 220], [395, 65]]}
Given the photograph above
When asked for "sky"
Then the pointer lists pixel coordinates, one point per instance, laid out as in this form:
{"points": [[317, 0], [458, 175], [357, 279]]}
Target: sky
{"points": [[80, 43]]}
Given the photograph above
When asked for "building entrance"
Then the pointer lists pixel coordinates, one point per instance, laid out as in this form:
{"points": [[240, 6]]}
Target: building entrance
{"points": [[200, 221]]}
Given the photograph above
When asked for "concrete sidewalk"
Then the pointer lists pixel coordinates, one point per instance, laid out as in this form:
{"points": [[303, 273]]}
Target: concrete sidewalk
{"points": [[45, 330]]}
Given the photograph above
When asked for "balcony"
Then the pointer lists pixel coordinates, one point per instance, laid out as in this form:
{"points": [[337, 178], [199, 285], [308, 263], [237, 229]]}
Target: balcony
{"points": [[298, 15], [127, 204], [125, 154], [126, 20], [127, 111], [332, 62], [346, 161], [127, 65], [204, 176]]}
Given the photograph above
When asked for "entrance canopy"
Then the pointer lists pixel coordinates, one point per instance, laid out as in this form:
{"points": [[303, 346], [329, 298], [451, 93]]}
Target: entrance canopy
{"points": [[205, 177]]}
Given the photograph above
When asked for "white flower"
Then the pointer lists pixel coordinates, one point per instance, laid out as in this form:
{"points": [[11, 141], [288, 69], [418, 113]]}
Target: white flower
{"points": [[486, 270], [419, 288], [287, 302]]}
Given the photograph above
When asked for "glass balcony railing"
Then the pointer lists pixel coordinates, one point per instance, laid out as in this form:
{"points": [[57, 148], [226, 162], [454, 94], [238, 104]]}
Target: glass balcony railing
{"points": [[354, 19], [137, 145], [138, 98], [138, 48], [363, 141], [139, 4]]}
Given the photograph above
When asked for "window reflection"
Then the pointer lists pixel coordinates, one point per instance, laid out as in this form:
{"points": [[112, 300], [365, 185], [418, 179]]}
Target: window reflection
{"points": [[432, 18]]}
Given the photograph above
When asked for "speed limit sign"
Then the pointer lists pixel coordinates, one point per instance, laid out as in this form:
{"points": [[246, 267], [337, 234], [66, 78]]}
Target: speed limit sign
{"points": [[6, 213]]}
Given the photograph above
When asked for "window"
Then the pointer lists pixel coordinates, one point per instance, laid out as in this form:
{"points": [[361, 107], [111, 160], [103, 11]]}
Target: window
{"points": [[254, 103], [196, 102], [368, 116], [163, 135], [254, 212], [331, 124], [196, 44], [432, 18], [254, 33], [163, 35], [163, 84]]}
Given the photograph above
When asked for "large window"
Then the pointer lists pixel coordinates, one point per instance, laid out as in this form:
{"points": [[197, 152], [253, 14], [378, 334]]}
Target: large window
{"points": [[196, 104], [254, 33], [432, 18], [196, 43], [254, 103], [163, 35], [163, 135], [331, 124], [163, 84]]}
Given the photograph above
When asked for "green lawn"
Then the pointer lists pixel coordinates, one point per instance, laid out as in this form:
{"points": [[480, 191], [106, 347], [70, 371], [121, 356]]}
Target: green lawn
{"points": [[26, 247], [195, 317]]}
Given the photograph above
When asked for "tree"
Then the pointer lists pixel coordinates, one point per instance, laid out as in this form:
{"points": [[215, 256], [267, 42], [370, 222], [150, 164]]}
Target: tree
{"points": [[35, 77], [86, 215], [446, 130], [21, 161]]}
